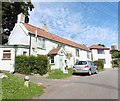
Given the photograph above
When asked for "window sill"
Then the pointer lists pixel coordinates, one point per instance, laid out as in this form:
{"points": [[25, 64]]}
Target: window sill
{"points": [[6, 59], [52, 63], [41, 48]]}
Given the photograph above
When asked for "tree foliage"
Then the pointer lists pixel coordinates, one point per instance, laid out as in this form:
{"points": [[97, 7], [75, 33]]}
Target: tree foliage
{"points": [[9, 13], [115, 54], [10, 10], [101, 45]]}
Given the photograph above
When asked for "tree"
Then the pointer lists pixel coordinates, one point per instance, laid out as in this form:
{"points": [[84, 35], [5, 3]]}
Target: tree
{"points": [[10, 10], [101, 45]]}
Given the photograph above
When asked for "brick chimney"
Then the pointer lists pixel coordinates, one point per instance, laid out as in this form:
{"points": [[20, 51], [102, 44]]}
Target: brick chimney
{"points": [[21, 18], [45, 27]]}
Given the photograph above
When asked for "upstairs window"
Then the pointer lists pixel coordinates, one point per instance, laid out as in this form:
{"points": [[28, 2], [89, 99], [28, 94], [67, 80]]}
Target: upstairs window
{"points": [[77, 52], [88, 56], [41, 43], [100, 51], [6, 54]]}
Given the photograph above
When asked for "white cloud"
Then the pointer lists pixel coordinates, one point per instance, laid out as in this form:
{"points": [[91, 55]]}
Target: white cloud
{"points": [[71, 25]]}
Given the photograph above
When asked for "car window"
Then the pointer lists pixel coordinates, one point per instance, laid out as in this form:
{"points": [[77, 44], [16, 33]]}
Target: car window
{"points": [[81, 63]]}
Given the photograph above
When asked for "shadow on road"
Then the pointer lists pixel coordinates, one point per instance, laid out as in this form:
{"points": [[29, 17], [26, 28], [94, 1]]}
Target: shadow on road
{"points": [[81, 74]]}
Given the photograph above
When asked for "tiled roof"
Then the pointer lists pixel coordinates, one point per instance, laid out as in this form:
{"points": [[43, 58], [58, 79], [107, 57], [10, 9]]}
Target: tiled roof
{"points": [[54, 51], [98, 47], [40, 32]]}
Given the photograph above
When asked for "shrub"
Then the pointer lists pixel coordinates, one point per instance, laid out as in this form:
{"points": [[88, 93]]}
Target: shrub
{"points": [[100, 64], [31, 64], [116, 63]]}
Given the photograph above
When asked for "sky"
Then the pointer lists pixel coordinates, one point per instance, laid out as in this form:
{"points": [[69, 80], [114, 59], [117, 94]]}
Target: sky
{"points": [[82, 22]]}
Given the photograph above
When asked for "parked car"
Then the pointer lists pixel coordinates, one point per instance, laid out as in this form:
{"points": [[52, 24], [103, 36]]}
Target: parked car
{"points": [[85, 67]]}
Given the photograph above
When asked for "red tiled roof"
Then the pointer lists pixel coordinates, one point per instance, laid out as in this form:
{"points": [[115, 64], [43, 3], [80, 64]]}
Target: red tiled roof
{"points": [[54, 51], [98, 47], [32, 29]]}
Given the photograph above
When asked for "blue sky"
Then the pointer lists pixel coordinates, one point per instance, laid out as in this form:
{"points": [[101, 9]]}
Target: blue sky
{"points": [[83, 22]]}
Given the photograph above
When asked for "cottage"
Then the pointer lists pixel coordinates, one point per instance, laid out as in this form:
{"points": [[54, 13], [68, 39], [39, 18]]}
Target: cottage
{"points": [[61, 51], [101, 53], [26, 39]]}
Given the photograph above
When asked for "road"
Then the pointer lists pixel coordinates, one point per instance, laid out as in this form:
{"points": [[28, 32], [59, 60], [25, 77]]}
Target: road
{"points": [[98, 86]]}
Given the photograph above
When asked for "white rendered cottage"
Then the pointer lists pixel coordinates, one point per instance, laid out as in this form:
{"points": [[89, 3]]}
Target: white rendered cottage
{"points": [[42, 42], [101, 53]]}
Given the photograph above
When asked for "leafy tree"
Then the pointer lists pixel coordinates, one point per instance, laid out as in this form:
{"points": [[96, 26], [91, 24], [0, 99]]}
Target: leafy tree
{"points": [[10, 10], [101, 45], [115, 53]]}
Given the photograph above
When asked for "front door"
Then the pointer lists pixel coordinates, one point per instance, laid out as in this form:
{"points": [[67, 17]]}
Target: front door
{"points": [[61, 64]]}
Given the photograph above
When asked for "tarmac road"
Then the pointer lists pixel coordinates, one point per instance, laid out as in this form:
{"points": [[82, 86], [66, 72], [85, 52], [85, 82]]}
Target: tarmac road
{"points": [[103, 85]]}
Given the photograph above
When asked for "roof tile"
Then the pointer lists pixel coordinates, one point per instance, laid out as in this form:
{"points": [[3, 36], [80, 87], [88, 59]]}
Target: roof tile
{"points": [[98, 47], [32, 29]]}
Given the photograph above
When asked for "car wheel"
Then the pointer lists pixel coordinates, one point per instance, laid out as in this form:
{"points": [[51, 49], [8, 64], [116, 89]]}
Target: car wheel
{"points": [[96, 71], [89, 72]]}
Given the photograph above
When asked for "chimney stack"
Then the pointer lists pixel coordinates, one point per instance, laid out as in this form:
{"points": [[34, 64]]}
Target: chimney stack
{"points": [[45, 27], [21, 18]]}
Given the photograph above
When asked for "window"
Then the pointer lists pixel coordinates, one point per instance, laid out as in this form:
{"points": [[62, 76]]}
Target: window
{"points": [[41, 43], [88, 56], [102, 60], [24, 52], [6, 54], [77, 52], [81, 63], [100, 51], [52, 59]]}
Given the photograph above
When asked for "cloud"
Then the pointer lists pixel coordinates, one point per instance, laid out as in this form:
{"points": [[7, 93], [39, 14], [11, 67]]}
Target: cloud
{"points": [[72, 25]]}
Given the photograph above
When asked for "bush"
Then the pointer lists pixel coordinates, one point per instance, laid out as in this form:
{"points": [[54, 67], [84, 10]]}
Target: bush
{"points": [[116, 63], [32, 64], [100, 64]]}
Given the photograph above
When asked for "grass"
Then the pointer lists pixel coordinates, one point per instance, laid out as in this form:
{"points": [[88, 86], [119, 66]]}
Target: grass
{"points": [[58, 74], [13, 88]]}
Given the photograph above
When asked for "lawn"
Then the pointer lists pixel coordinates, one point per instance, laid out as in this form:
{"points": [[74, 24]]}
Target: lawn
{"points": [[58, 74], [13, 88]]}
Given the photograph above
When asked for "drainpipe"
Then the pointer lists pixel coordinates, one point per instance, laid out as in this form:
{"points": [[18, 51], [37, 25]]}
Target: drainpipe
{"points": [[30, 45], [15, 47]]}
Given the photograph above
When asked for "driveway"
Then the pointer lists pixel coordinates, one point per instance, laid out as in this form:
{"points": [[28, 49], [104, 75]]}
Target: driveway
{"points": [[98, 86]]}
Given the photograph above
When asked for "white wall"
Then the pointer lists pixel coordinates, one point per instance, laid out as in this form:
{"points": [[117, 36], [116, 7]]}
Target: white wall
{"points": [[106, 56], [7, 65], [18, 36], [82, 55]]}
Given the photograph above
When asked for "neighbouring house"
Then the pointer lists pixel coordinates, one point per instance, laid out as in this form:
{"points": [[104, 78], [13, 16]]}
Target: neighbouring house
{"points": [[101, 53], [61, 51]]}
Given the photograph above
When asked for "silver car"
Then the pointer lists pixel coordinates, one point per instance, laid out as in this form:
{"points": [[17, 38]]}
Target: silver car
{"points": [[85, 67]]}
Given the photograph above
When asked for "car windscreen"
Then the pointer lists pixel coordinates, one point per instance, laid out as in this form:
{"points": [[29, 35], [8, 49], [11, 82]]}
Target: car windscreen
{"points": [[81, 63]]}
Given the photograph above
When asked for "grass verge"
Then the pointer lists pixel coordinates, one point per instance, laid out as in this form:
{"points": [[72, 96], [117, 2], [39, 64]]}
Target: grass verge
{"points": [[58, 74], [13, 88]]}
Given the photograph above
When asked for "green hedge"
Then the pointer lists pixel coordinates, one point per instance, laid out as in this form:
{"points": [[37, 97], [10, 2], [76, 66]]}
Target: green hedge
{"points": [[32, 64], [100, 64]]}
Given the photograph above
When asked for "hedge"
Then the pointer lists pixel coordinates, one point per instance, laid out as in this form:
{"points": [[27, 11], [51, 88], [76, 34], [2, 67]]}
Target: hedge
{"points": [[100, 64], [32, 64]]}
